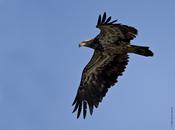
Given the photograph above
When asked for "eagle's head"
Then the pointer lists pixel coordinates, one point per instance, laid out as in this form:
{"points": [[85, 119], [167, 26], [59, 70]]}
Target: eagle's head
{"points": [[88, 43]]}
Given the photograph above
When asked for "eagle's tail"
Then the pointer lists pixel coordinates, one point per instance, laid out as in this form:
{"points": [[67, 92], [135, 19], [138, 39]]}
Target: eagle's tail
{"points": [[140, 50]]}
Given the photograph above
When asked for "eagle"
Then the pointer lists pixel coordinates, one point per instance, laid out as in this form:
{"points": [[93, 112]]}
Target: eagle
{"points": [[110, 58]]}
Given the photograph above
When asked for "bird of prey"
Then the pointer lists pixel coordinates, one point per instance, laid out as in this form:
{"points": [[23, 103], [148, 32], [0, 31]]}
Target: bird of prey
{"points": [[111, 47]]}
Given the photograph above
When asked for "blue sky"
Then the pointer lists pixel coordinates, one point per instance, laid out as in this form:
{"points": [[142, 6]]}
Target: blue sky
{"points": [[41, 65]]}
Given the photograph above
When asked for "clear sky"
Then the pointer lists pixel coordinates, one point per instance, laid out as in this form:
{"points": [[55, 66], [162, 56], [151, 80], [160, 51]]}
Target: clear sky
{"points": [[41, 65]]}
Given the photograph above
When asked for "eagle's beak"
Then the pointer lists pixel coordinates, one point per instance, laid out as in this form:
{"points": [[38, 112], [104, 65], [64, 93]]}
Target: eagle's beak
{"points": [[82, 44], [87, 43]]}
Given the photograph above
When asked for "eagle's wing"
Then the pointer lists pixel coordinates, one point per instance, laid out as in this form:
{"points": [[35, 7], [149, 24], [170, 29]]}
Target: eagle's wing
{"points": [[98, 75], [112, 32]]}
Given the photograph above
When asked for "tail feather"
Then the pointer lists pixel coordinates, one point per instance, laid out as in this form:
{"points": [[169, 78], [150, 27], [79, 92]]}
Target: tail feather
{"points": [[141, 50]]}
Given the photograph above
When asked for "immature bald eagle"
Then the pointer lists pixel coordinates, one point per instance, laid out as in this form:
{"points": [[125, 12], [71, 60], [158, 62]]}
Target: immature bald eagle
{"points": [[111, 48]]}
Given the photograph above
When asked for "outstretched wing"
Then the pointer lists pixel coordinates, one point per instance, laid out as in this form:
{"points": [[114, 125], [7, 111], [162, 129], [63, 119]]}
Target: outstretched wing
{"points": [[112, 32], [98, 76]]}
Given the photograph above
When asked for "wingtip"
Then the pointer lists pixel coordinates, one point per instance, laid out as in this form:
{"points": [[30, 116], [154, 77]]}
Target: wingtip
{"points": [[113, 21], [103, 18], [104, 14], [84, 109], [75, 108], [99, 20], [91, 110], [78, 116]]}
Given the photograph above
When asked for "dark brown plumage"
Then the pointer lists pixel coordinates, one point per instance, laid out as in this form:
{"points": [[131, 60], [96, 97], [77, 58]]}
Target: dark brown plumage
{"points": [[108, 62]]}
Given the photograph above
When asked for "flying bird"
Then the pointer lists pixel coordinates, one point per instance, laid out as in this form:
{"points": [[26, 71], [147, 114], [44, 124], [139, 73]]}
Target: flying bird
{"points": [[111, 47]]}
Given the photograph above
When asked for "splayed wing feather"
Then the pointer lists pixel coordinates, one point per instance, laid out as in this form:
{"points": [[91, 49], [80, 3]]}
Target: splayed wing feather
{"points": [[113, 21], [104, 17], [84, 109], [109, 18], [99, 20], [76, 105], [79, 109]]}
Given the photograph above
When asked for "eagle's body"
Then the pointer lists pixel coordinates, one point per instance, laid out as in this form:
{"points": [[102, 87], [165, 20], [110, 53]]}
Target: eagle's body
{"points": [[111, 48]]}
